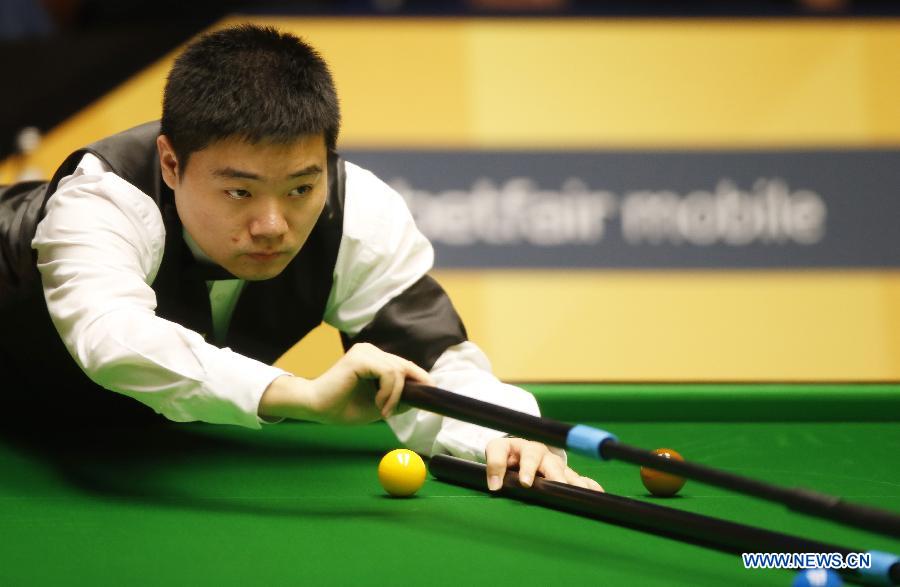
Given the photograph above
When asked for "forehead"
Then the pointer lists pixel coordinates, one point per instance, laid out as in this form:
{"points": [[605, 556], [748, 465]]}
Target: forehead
{"points": [[268, 158]]}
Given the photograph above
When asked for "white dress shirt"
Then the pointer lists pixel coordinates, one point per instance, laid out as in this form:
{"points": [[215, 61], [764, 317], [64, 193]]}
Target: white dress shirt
{"points": [[100, 245]]}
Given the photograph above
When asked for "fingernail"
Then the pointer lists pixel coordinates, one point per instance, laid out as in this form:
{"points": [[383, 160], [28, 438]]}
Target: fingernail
{"points": [[494, 483], [525, 479]]}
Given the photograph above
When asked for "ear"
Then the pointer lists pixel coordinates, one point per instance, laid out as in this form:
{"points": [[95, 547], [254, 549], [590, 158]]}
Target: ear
{"points": [[168, 163]]}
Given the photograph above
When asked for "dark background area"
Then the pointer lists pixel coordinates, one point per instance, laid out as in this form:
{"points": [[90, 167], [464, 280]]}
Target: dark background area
{"points": [[60, 55]]}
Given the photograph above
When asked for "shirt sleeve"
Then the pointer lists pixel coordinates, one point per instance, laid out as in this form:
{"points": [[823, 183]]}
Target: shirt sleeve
{"points": [[382, 253], [99, 247]]}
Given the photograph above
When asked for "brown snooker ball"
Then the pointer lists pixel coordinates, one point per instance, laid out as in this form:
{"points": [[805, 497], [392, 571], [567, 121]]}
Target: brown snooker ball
{"points": [[659, 483]]}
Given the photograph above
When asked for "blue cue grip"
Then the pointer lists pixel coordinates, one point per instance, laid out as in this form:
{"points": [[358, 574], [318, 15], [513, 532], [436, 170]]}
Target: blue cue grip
{"points": [[588, 441]]}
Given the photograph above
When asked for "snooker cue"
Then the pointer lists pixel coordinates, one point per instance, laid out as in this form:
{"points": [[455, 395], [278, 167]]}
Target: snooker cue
{"points": [[722, 535], [603, 445]]}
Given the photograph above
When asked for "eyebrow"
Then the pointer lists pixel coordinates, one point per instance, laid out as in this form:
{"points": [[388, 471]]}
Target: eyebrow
{"points": [[232, 173]]}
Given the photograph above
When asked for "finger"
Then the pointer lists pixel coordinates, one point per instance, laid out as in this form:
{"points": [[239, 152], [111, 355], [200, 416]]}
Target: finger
{"points": [[553, 469], [530, 457], [594, 485], [394, 397], [417, 373], [387, 380], [513, 459], [368, 362], [573, 478], [580, 481], [496, 455]]}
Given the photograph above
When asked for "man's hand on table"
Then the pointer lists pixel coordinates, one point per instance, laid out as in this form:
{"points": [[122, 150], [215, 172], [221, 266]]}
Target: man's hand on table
{"points": [[531, 458]]}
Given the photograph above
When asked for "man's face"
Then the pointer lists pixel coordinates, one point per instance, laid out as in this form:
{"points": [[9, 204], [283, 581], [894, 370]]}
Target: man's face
{"points": [[249, 207]]}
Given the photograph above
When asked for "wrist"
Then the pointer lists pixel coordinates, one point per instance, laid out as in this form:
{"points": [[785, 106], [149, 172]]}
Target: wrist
{"points": [[288, 397]]}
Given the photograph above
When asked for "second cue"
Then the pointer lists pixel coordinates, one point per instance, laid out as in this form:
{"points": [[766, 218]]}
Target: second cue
{"points": [[707, 531]]}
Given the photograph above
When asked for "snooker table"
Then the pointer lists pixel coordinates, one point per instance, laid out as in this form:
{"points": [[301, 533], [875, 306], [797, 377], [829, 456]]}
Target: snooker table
{"points": [[298, 503]]}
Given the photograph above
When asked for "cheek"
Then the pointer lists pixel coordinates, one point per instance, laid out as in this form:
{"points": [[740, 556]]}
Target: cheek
{"points": [[194, 204], [208, 218], [306, 217]]}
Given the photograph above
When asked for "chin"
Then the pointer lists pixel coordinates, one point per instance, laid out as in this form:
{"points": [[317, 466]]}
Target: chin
{"points": [[257, 273]]}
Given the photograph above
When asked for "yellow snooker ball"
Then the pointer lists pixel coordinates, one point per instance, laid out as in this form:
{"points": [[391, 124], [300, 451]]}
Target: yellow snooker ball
{"points": [[401, 472]]}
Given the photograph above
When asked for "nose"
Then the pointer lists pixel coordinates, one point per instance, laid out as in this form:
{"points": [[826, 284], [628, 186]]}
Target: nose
{"points": [[268, 222]]}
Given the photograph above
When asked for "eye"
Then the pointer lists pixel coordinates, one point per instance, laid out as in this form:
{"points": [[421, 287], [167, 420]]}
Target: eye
{"points": [[301, 190], [238, 194]]}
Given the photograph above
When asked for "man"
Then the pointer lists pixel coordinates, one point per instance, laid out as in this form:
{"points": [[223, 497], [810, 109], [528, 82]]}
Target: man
{"points": [[179, 259]]}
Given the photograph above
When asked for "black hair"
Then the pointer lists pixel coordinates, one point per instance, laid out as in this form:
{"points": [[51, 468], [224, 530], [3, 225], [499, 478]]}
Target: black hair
{"points": [[250, 82]]}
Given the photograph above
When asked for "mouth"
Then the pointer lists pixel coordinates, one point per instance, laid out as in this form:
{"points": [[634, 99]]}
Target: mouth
{"points": [[263, 257]]}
